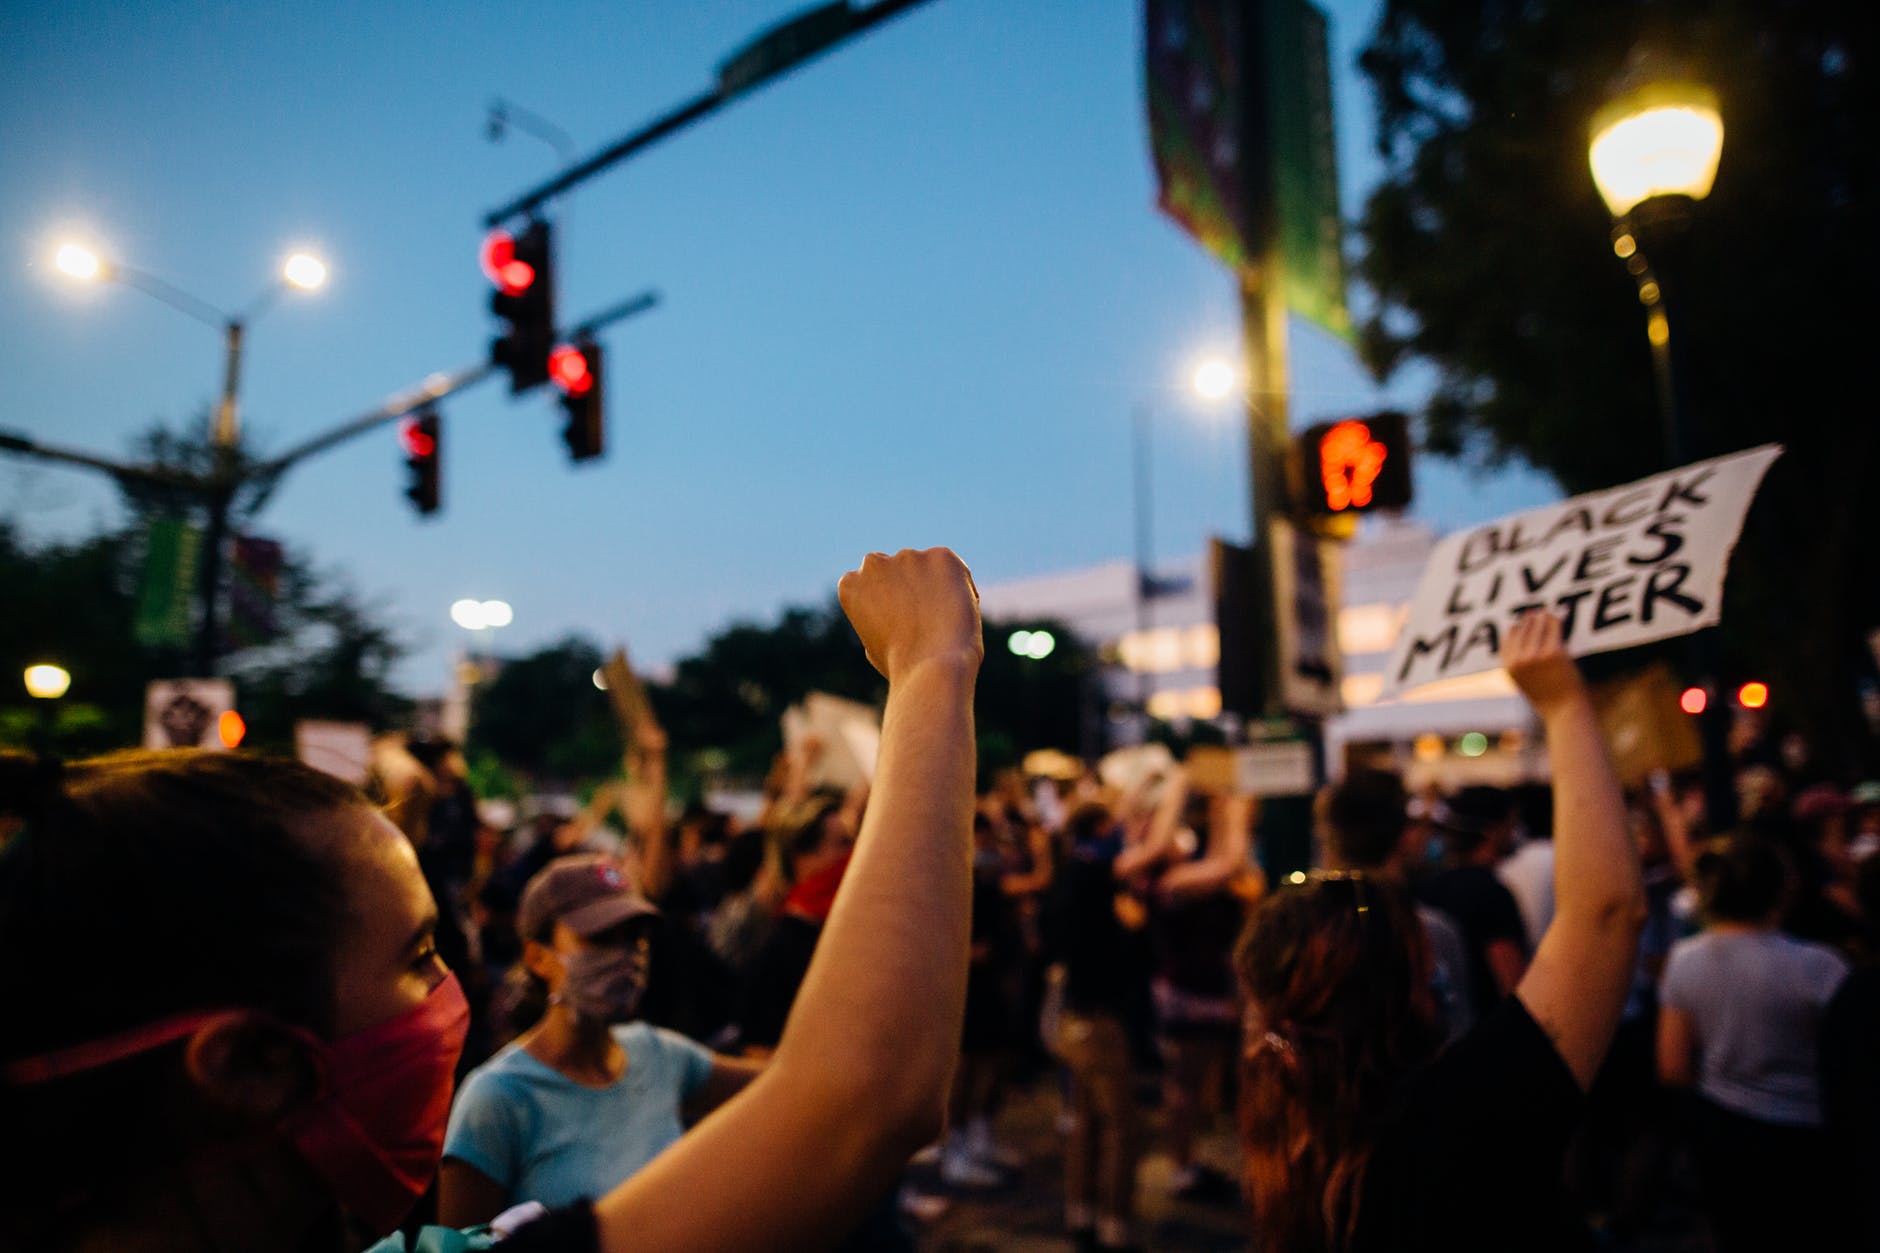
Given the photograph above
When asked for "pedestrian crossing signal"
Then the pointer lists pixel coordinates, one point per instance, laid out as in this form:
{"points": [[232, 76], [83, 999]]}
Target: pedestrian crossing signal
{"points": [[1356, 464]]}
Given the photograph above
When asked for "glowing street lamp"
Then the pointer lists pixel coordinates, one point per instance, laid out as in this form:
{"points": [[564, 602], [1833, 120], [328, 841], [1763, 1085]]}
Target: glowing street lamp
{"points": [[46, 681], [302, 271], [1653, 151], [1656, 139]]}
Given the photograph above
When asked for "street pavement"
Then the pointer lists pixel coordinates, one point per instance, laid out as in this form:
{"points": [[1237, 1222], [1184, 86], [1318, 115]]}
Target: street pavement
{"points": [[1027, 1215]]}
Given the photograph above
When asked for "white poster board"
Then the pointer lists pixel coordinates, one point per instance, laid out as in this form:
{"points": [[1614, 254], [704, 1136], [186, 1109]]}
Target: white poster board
{"points": [[186, 713], [1624, 566], [1281, 769], [849, 733], [341, 749]]}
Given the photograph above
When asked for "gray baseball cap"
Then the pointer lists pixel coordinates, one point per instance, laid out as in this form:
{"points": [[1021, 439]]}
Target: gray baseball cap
{"points": [[589, 892]]}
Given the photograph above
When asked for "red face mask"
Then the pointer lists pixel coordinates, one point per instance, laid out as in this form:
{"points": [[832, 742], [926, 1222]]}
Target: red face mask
{"points": [[375, 1129]]}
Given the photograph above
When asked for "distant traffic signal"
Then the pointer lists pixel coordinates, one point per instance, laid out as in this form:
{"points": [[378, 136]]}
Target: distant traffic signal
{"points": [[420, 435], [576, 369], [522, 267], [1356, 464]]}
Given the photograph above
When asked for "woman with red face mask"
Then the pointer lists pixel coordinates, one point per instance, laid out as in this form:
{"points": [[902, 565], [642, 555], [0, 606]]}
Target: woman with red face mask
{"points": [[228, 1028]]}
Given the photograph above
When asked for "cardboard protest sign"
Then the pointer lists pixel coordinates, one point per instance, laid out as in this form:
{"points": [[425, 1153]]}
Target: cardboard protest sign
{"points": [[1283, 768], [1644, 727], [625, 693], [849, 733], [341, 749], [186, 713], [1624, 566]]}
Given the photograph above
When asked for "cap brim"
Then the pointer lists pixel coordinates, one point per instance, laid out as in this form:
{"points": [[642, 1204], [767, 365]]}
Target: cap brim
{"points": [[606, 914]]}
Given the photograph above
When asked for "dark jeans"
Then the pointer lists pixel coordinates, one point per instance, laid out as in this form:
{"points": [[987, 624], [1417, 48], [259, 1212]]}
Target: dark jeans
{"points": [[1765, 1185]]}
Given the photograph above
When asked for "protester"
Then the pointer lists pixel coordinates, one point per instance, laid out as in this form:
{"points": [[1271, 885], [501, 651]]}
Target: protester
{"points": [[1098, 982], [1478, 828], [1359, 823], [1740, 1023], [1850, 1072], [1355, 1138], [1204, 851], [588, 1096], [291, 1092]]}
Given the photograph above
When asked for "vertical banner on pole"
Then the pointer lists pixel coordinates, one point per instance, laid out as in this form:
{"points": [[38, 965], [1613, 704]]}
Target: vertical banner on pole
{"points": [[167, 590], [254, 586]]}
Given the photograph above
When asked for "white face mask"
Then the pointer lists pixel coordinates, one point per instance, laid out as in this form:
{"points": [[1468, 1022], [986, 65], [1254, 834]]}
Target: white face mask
{"points": [[1863, 846], [605, 984]]}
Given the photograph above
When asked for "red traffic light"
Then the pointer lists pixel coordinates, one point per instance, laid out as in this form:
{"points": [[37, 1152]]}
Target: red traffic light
{"points": [[1694, 701], [1753, 695], [568, 367], [414, 439], [498, 259]]}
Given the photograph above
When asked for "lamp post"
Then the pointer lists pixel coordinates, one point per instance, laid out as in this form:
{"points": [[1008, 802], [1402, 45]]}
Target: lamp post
{"points": [[1653, 152], [46, 683], [300, 271], [1213, 379]]}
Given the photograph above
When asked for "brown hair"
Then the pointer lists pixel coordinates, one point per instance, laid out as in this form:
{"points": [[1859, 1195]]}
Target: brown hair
{"points": [[145, 885], [1336, 971]]}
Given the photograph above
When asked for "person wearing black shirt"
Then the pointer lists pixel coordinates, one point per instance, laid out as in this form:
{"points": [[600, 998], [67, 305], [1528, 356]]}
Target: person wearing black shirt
{"points": [[1477, 824], [1357, 1135]]}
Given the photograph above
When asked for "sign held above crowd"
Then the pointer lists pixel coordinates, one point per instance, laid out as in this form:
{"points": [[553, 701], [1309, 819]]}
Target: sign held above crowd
{"points": [[1624, 566]]}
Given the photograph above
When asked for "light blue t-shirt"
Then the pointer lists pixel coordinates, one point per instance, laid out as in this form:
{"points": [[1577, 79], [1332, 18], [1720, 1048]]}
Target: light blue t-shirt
{"points": [[546, 1138], [1755, 1002]]}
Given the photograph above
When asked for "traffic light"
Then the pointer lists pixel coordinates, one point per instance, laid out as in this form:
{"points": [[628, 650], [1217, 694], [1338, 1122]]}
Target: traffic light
{"points": [[523, 269], [1356, 464], [419, 435], [576, 369]]}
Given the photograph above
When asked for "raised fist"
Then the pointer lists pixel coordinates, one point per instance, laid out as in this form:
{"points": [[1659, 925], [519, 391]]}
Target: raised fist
{"points": [[1536, 659], [914, 607]]}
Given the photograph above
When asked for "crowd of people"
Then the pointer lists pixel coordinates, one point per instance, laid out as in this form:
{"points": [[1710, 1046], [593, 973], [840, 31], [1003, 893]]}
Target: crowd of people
{"points": [[254, 1009]]}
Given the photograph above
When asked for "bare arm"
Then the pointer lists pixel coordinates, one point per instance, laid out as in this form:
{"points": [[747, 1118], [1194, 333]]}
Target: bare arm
{"points": [[860, 1077], [729, 1076], [1229, 855], [1576, 986], [1677, 1048], [1163, 825], [466, 1197]]}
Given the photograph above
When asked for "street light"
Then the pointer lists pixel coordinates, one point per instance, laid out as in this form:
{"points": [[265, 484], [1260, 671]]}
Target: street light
{"points": [[1212, 379], [301, 271], [1656, 139], [1653, 151], [46, 681]]}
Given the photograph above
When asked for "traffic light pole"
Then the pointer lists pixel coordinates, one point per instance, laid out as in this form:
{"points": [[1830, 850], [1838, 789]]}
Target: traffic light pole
{"points": [[771, 54], [217, 489]]}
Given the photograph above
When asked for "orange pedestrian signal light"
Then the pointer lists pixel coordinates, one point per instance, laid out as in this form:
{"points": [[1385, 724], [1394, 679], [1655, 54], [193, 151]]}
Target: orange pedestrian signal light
{"points": [[1753, 695], [1356, 464], [231, 728], [1694, 701]]}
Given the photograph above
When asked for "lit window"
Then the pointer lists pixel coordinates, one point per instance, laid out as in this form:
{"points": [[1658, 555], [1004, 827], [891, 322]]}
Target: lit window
{"points": [[1366, 629]]}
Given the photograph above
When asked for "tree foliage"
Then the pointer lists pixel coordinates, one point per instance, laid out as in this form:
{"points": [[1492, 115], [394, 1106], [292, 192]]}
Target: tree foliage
{"points": [[543, 715], [1491, 253]]}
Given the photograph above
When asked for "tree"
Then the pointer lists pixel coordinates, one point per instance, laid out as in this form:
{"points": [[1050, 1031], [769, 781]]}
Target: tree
{"points": [[74, 603], [542, 714], [1489, 249]]}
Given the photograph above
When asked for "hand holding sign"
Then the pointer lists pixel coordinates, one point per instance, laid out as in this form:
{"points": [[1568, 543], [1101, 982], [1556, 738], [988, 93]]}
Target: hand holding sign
{"points": [[1535, 656]]}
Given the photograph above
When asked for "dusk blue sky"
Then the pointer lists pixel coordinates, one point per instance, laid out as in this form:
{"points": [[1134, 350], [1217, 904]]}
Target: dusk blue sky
{"points": [[910, 295]]}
